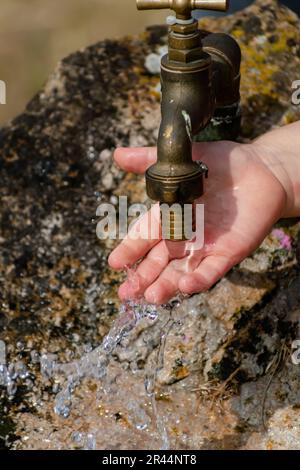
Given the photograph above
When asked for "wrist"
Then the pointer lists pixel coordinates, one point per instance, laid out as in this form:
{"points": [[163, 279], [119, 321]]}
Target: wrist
{"points": [[271, 157]]}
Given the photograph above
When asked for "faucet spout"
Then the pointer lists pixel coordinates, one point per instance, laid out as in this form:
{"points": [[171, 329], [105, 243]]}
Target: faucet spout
{"points": [[200, 87], [187, 106]]}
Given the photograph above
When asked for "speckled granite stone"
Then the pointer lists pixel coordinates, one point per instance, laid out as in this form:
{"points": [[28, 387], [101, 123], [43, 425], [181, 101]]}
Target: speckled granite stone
{"points": [[58, 295]]}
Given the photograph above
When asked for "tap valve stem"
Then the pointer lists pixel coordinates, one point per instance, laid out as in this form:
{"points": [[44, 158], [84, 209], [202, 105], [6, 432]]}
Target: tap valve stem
{"points": [[183, 8]]}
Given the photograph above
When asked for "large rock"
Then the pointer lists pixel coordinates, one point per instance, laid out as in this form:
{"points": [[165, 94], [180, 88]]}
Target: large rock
{"points": [[217, 353]]}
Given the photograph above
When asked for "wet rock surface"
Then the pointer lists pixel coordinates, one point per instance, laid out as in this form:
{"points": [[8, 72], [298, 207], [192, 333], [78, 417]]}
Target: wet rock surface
{"points": [[222, 359]]}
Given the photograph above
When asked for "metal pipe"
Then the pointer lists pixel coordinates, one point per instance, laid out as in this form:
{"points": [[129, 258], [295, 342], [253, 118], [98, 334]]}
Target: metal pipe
{"points": [[194, 80], [183, 5], [187, 107]]}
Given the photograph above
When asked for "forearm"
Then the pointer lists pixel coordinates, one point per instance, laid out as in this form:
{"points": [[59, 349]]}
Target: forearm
{"points": [[280, 151]]}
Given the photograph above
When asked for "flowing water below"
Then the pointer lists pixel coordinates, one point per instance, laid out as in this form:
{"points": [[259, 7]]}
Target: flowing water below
{"points": [[141, 388], [94, 364], [108, 391]]}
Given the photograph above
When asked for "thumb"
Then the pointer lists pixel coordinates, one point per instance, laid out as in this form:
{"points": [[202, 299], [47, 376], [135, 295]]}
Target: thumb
{"points": [[135, 160]]}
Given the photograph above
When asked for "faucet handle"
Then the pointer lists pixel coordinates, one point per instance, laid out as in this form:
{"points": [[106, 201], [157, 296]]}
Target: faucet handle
{"points": [[183, 8]]}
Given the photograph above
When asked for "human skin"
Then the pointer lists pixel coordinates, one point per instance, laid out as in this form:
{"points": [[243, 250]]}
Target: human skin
{"points": [[250, 187]]}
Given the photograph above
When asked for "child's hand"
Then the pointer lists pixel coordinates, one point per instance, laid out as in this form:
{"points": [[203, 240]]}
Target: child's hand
{"points": [[243, 199]]}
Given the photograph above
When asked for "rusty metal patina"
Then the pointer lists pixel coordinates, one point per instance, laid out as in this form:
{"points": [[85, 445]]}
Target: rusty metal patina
{"points": [[183, 8], [200, 78]]}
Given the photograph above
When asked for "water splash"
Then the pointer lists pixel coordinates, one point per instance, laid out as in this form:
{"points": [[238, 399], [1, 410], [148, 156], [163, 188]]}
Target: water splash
{"points": [[84, 441], [10, 374], [150, 385], [94, 364], [66, 377]]}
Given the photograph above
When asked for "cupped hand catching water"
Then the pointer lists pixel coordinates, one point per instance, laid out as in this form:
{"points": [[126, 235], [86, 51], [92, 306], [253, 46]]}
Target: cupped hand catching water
{"points": [[244, 196]]}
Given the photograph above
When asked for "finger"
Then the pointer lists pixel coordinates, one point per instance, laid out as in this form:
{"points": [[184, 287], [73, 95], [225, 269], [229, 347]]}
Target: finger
{"points": [[144, 236], [209, 271], [135, 160], [166, 285], [164, 288], [147, 272], [139, 159], [152, 267]]}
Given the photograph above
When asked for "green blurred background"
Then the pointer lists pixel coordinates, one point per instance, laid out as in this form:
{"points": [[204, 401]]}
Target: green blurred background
{"points": [[35, 34]]}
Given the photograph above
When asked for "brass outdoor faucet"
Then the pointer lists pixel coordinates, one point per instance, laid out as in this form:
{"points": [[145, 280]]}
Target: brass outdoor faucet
{"points": [[200, 78]]}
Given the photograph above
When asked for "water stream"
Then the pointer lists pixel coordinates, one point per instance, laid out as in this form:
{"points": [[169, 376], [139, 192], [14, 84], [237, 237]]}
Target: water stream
{"points": [[93, 365], [65, 378], [150, 383]]}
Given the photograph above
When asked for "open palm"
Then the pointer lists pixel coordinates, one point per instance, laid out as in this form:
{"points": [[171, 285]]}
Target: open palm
{"points": [[242, 200]]}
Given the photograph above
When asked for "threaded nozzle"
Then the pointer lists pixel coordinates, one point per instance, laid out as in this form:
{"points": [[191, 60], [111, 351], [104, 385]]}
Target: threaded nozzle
{"points": [[178, 221]]}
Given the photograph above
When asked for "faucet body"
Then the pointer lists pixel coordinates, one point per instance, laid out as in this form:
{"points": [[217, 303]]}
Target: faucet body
{"points": [[200, 79], [187, 104]]}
